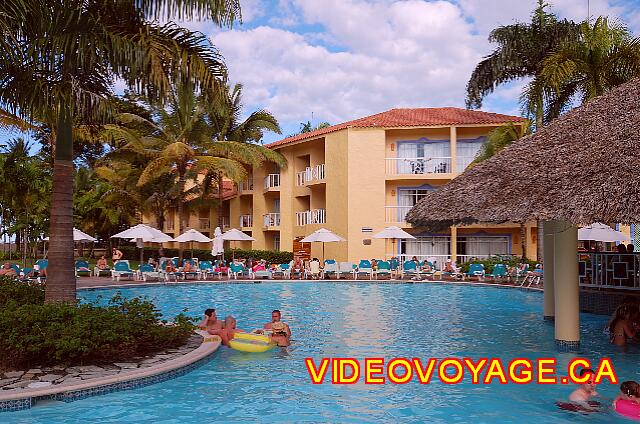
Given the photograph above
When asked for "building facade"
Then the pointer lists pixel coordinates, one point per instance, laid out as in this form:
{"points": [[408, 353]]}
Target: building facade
{"points": [[358, 177]]}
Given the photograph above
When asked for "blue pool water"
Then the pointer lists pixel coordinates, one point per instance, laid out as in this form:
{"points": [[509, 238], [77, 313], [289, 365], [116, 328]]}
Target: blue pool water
{"points": [[351, 320]]}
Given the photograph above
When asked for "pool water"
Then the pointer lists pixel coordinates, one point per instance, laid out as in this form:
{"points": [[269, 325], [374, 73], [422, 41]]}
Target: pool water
{"points": [[352, 320]]}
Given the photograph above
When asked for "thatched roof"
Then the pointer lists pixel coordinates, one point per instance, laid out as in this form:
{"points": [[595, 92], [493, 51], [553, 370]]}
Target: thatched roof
{"points": [[583, 167]]}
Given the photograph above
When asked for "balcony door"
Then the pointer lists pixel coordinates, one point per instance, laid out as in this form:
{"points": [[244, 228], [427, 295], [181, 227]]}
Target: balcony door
{"points": [[407, 198], [423, 156]]}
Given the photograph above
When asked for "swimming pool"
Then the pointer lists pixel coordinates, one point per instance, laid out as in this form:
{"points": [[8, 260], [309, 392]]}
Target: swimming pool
{"points": [[351, 320]]}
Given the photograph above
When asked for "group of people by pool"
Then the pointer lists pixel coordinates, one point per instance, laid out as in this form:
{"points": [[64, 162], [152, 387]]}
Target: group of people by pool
{"points": [[277, 330]]}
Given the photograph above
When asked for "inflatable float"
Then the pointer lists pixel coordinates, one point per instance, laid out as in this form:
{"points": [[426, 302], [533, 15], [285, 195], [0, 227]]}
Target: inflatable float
{"points": [[628, 408], [249, 342]]}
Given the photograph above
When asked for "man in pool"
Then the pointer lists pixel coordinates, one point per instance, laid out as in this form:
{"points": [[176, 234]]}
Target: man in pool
{"points": [[586, 391], [280, 331]]}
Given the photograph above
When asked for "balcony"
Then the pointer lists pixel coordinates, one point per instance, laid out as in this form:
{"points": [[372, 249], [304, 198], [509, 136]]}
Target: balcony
{"points": [[426, 166], [204, 223], [396, 214], [311, 175], [246, 221], [315, 216], [246, 186], [272, 182], [169, 225], [271, 220]]}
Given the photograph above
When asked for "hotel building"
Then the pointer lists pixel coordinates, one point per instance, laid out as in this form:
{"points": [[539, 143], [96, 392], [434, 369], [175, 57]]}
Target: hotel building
{"points": [[358, 177]]}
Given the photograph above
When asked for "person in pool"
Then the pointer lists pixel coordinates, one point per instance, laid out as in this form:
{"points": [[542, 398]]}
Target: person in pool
{"points": [[629, 390], [620, 326], [280, 331], [230, 327], [212, 325], [586, 391]]}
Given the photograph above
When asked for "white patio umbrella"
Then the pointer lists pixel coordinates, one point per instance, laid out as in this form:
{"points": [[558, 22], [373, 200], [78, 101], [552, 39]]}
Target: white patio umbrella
{"points": [[601, 232], [217, 248], [236, 235], [78, 236], [142, 233], [323, 236], [393, 233], [192, 236]]}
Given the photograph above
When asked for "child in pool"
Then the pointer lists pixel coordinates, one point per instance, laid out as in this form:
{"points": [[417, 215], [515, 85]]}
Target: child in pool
{"points": [[629, 390], [586, 391]]}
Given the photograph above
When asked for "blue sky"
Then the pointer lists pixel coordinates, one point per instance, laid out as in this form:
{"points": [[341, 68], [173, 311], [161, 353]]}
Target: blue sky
{"points": [[338, 60]]}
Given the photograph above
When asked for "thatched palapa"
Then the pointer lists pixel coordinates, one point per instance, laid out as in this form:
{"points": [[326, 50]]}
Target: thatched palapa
{"points": [[583, 167]]}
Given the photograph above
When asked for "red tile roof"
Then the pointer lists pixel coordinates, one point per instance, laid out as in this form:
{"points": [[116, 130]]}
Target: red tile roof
{"points": [[420, 117]]}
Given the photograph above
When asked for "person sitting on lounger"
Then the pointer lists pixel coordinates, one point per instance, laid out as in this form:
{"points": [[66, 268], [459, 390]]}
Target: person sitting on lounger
{"points": [[116, 255], [260, 266], [170, 267], [102, 263], [188, 267], [8, 270]]}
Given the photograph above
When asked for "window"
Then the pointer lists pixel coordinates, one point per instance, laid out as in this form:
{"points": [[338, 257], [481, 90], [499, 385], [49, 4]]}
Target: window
{"points": [[276, 243], [483, 246], [467, 150], [426, 246], [423, 156], [407, 198]]}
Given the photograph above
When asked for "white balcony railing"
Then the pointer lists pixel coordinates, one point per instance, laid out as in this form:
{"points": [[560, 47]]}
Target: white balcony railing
{"points": [[246, 221], [310, 174], [315, 216], [396, 213], [271, 220], [418, 166], [272, 181], [204, 223], [246, 185]]}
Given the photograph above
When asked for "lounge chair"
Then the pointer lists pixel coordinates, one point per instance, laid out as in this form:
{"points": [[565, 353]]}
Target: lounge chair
{"points": [[195, 273], [364, 268], [206, 269], [121, 269], [167, 275], [282, 271], [499, 271], [146, 271], [264, 273], [82, 269], [39, 268], [313, 271], [395, 265], [455, 274], [534, 277], [476, 270], [409, 268], [330, 268], [347, 269], [518, 272], [295, 273], [239, 269], [384, 269], [425, 273]]}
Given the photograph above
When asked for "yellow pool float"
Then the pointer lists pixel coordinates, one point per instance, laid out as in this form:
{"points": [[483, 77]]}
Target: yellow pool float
{"points": [[248, 342]]}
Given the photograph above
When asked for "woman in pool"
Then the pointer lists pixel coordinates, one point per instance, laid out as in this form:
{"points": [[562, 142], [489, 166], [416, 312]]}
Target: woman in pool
{"points": [[621, 325]]}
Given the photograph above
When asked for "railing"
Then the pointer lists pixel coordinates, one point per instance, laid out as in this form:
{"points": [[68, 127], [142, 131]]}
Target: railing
{"points": [[224, 221], [246, 185], [204, 223], [246, 221], [315, 216], [271, 220], [609, 270], [418, 166], [440, 260], [396, 213], [271, 181], [310, 174]]}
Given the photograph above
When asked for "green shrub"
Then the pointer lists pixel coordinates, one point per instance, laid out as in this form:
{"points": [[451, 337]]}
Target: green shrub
{"points": [[20, 293], [36, 334], [132, 253]]}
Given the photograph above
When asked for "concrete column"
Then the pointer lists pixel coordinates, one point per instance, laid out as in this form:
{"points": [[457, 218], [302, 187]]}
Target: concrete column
{"points": [[548, 262], [453, 138], [454, 244], [566, 288]]}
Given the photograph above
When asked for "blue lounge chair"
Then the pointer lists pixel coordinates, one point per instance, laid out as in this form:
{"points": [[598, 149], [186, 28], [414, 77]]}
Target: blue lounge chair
{"points": [[476, 270], [82, 268], [121, 269], [146, 271], [425, 273], [206, 270], [348, 269], [239, 269], [364, 268], [499, 271], [384, 269], [330, 268], [283, 270], [409, 268], [193, 273]]}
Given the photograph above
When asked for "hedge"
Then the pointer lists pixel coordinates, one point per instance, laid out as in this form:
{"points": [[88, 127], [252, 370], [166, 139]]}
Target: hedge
{"points": [[278, 257], [33, 333], [489, 263]]}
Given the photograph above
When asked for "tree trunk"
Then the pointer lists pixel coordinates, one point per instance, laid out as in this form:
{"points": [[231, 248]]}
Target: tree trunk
{"points": [[61, 280], [220, 200], [523, 240], [540, 224], [181, 184]]}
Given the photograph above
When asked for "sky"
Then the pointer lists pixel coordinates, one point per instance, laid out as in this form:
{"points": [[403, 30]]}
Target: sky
{"points": [[337, 60]]}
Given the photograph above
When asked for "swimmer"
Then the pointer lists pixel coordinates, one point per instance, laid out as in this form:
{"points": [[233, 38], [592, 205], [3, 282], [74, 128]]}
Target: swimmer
{"points": [[620, 326], [281, 333], [586, 390], [629, 390]]}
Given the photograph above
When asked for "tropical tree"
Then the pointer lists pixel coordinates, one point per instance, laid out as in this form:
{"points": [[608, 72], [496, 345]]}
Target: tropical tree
{"points": [[522, 48], [238, 139], [58, 60], [603, 56], [498, 139]]}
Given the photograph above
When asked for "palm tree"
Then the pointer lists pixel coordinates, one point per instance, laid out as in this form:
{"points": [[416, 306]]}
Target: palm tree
{"points": [[603, 56], [498, 139], [521, 50], [58, 61], [238, 139]]}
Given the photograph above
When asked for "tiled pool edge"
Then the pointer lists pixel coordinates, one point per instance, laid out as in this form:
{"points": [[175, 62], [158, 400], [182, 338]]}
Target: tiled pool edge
{"points": [[126, 381]]}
